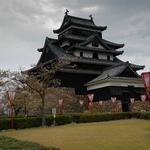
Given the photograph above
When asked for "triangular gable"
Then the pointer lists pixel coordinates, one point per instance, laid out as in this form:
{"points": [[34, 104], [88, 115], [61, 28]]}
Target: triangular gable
{"points": [[95, 39], [121, 70], [128, 72]]}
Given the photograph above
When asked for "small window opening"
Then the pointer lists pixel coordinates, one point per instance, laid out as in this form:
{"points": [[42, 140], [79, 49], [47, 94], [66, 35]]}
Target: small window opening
{"points": [[95, 55], [95, 44], [108, 57], [81, 54]]}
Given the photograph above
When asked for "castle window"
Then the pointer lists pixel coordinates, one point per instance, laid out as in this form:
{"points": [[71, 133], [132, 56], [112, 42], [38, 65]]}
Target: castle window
{"points": [[81, 54], [95, 44], [95, 55], [108, 57]]}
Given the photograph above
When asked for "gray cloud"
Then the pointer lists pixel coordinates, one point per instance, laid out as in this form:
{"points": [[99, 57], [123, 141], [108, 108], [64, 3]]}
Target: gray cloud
{"points": [[25, 24]]}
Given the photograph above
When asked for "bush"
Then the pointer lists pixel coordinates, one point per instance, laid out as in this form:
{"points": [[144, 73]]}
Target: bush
{"points": [[97, 117], [5, 124], [60, 119], [29, 122], [147, 115], [63, 119], [8, 143], [20, 123]]}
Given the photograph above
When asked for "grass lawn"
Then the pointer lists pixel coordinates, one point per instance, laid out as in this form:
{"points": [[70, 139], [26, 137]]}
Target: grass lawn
{"points": [[112, 135]]}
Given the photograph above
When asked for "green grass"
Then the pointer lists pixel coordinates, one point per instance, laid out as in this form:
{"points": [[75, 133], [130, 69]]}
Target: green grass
{"points": [[132, 134]]}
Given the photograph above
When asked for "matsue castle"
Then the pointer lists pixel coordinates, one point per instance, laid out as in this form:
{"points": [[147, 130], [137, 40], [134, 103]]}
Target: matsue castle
{"points": [[99, 70]]}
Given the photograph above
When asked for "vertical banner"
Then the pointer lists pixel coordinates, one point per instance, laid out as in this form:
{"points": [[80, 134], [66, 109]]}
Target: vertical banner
{"points": [[91, 105], [11, 98], [81, 104], [60, 105], [101, 103], [146, 81], [113, 99], [132, 102], [143, 98], [91, 96]]}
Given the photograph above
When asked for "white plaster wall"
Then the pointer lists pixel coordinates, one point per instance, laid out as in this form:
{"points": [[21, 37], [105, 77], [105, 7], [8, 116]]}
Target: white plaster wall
{"points": [[99, 45], [76, 53], [113, 83], [89, 54], [102, 56]]}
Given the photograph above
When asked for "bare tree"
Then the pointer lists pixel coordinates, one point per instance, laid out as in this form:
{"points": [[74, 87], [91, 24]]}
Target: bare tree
{"points": [[42, 80]]}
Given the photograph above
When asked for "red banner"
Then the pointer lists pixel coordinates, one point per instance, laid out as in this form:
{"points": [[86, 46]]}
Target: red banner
{"points": [[90, 96], [146, 81]]}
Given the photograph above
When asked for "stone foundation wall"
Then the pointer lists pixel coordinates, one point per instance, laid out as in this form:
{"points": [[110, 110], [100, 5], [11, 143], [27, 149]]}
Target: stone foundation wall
{"points": [[138, 106], [107, 106], [71, 105]]}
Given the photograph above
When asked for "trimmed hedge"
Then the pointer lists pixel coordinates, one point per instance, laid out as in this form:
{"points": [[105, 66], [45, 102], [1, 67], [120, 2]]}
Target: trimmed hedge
{"points": [[98, 117], [7, 143], [20, 123], [29, 122], [60, 119]]}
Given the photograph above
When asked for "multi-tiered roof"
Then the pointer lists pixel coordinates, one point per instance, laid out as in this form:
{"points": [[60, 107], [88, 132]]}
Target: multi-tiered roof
{"points": [[97, 58]]}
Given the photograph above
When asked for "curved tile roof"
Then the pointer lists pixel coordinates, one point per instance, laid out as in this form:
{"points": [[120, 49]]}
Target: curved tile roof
{"points": [[113, 72], [78, 21]]}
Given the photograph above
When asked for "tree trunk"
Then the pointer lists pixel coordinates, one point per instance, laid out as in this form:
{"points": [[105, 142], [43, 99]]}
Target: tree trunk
{"points": [[25, 112], [43, 115]]}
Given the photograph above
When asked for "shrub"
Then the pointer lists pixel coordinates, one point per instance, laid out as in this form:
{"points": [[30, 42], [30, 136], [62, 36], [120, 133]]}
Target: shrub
{"points": [[29, 122], [63, 119], [10, 143], [147, 115]]}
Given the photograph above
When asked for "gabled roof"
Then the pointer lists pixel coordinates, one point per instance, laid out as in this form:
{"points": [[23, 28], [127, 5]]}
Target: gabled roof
{"points": [[91, 38], [58, 52], [116, 72], [68, 20]]}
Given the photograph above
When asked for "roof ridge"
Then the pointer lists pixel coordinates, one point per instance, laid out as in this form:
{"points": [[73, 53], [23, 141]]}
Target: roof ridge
{"points": [[79, 18]]}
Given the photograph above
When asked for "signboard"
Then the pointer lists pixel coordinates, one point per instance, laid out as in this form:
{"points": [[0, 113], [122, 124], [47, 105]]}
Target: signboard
{"points": [[54, 112], [54, 115]]}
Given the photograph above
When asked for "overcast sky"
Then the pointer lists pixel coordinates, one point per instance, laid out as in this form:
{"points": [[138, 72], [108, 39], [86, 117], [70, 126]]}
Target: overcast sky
{"points": [[24, 25]]}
